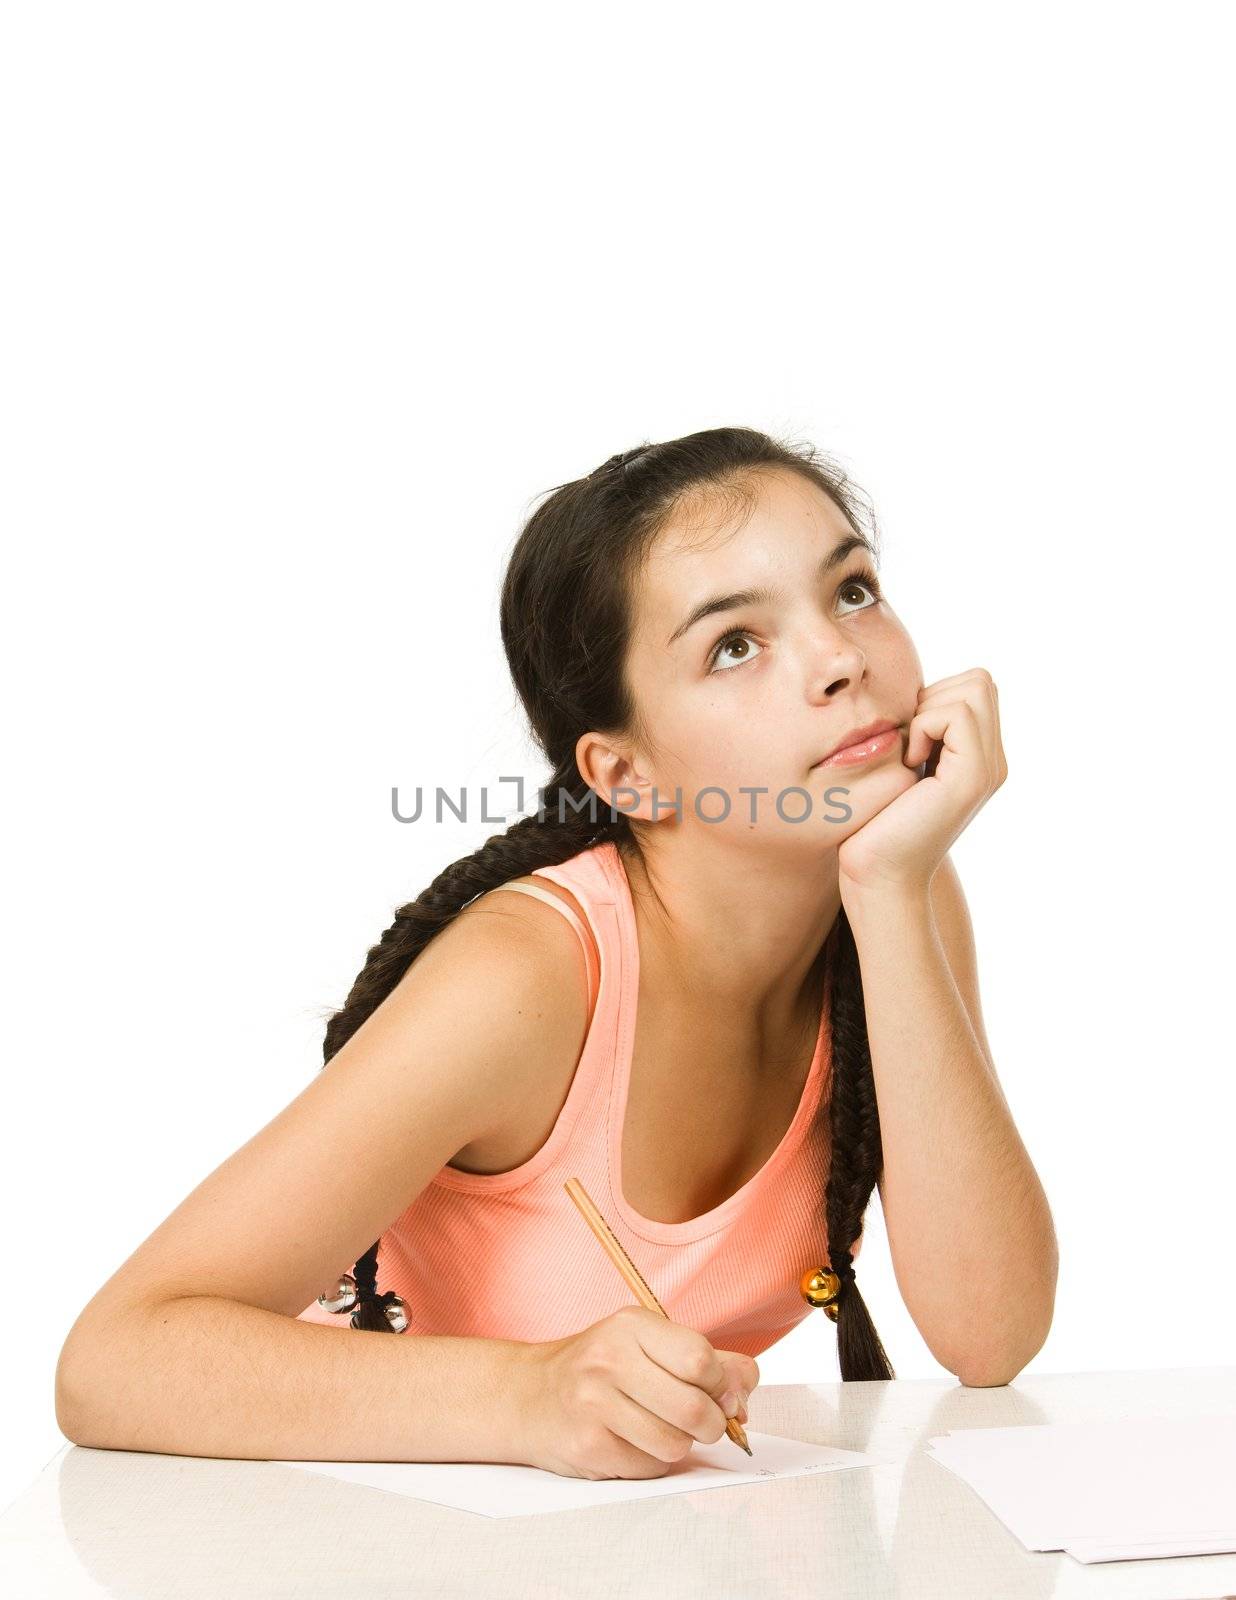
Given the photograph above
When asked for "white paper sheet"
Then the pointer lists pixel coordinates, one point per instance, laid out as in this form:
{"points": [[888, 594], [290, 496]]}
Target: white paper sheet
{"points": [[496, 1490], [1097, 1550], [1129, 1488]]}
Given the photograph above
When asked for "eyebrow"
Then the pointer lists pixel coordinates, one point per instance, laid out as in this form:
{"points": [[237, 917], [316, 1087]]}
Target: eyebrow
{"points": [[765, 595]]}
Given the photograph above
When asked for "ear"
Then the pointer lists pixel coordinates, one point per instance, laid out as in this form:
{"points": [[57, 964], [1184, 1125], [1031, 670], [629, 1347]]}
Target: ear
{"points": [[616, 776]]}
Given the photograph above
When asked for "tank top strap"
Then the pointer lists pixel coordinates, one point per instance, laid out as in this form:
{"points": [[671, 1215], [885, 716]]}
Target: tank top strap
{"points": [[585, 938], [577, 1144]]}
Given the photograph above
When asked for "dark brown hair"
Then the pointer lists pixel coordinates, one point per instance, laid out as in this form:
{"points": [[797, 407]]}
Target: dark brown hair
{"points": [[566, 616]]}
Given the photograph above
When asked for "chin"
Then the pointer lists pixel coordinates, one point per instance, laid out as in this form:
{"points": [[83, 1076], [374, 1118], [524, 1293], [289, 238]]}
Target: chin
{"points": [[865, 796]]}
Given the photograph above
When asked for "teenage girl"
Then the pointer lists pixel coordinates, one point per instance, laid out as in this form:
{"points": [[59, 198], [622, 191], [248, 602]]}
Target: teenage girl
{"points": [[731, 988]]}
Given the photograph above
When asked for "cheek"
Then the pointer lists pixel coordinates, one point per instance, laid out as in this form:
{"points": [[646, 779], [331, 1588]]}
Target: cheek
{"points": [[716, 737], [895, 663], [734, 750]]}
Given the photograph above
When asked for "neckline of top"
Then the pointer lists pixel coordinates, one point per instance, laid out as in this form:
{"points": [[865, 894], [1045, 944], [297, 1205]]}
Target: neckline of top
{"points": [[719, 1216]]}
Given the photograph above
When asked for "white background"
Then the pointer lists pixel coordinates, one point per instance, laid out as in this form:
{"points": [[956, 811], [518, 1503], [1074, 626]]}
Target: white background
{"points": [[305, 307]]}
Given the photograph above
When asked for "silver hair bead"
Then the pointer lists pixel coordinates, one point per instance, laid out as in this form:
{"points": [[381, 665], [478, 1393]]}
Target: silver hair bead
{"points": [[395, 1312], [342, 1297]]}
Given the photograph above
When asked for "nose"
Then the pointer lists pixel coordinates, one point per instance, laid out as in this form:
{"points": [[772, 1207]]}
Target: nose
{"points": [[836, 661]]}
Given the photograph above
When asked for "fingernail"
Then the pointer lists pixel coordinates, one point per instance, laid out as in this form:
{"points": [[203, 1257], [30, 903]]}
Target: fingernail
{"points": [[730, 1403]]}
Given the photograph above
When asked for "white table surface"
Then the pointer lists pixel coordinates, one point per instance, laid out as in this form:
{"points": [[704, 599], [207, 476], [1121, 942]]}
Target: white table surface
{"points": [[106, 1522]]}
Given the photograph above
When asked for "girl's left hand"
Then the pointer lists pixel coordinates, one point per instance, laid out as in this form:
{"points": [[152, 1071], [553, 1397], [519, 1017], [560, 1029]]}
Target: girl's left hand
{"points": [[902, 845]]}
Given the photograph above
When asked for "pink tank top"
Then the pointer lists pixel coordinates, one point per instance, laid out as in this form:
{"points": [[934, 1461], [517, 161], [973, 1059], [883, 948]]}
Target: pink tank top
{"points": [[507, 1255]]}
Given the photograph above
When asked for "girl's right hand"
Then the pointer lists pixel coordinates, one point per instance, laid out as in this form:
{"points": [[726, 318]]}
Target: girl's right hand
{"points": [[628, 1396]]}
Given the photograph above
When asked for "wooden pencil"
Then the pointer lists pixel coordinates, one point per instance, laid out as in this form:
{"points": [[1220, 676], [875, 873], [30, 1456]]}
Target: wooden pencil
{"points": [[630, 1272]]}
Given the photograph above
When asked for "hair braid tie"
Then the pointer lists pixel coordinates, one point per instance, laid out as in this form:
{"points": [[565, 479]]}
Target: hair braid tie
{"points": [[348, 1295], [823, 1288]]}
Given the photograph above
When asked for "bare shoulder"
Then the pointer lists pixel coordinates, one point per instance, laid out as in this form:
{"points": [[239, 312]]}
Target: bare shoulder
{"points": [[548, 1039], [526, 902], [519, 952], [549, 933]]}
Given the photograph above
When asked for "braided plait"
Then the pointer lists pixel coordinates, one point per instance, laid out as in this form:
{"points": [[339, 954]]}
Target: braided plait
{"points": [[856, 1159]]}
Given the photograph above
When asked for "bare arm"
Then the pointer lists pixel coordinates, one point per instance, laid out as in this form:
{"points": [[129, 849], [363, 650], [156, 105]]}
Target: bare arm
{"points": [[969, 1228], [193, 1346], [204, 1376]]}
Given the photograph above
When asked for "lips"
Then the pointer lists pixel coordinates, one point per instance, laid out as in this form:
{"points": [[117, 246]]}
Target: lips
{"points": [[859, 736]]}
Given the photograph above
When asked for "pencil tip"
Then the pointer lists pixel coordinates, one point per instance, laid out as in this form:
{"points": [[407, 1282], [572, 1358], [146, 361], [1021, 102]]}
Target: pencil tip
{"points": [[748, 1449]]}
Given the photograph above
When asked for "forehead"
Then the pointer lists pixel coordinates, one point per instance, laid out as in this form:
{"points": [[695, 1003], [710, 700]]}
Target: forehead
{"points": [[773, 522]]}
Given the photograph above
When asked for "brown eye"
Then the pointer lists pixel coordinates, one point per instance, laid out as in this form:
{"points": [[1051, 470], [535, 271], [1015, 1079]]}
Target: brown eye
{"points": [[864, 584], [727, 642]]}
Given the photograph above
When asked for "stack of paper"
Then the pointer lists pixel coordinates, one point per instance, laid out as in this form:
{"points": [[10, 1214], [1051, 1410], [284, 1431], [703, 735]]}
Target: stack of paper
{"points": [[1118, 1490]]}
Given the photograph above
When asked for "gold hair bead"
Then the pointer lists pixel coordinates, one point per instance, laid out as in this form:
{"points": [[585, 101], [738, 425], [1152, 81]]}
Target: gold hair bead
{"points": [[820, 1288]]}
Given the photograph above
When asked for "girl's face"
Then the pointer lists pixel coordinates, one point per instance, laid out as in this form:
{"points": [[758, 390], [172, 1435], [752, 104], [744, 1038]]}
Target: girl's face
{"points": [[755, 692]]}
